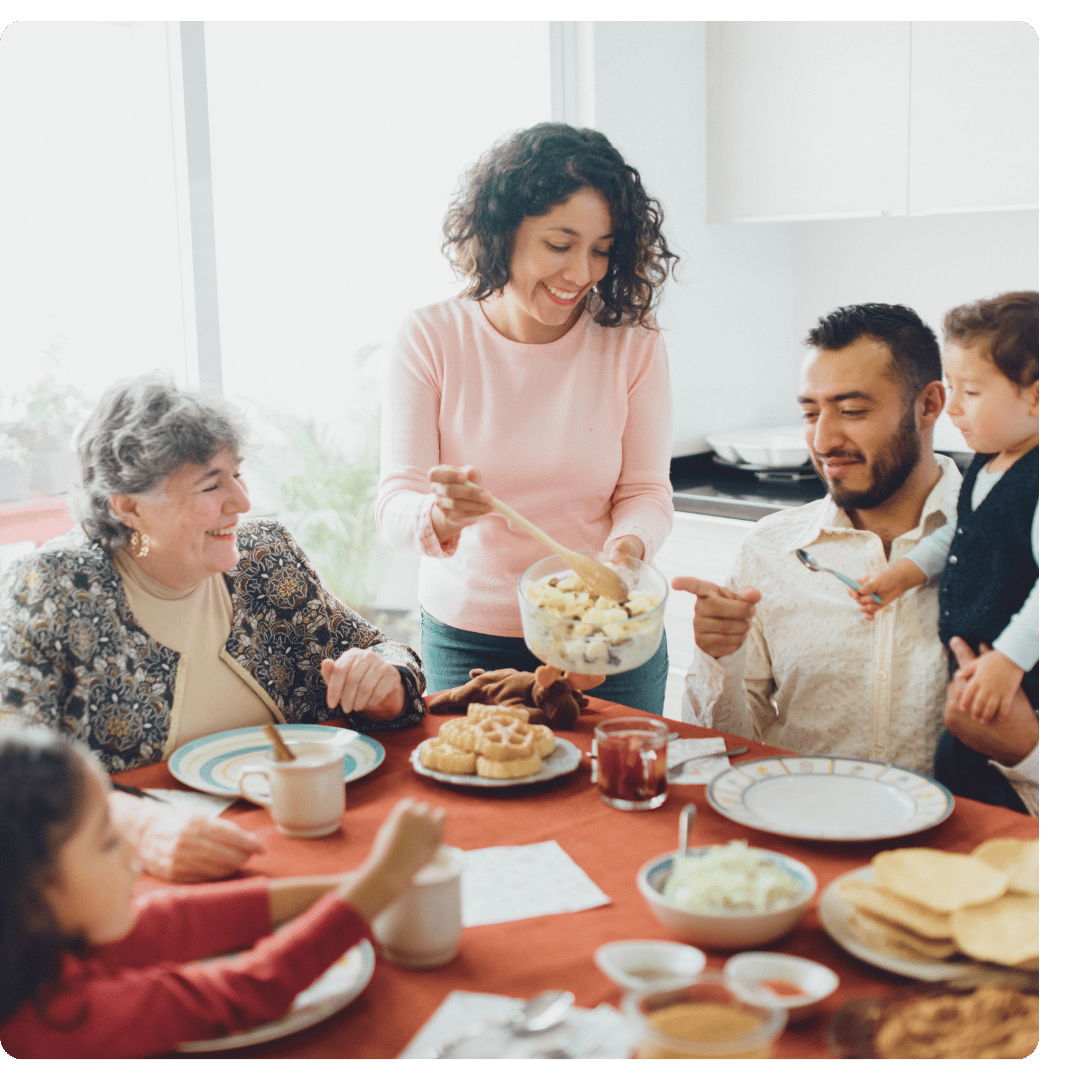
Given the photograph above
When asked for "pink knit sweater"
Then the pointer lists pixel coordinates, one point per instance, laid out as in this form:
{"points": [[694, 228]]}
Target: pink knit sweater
{"points": [[575, 435]]}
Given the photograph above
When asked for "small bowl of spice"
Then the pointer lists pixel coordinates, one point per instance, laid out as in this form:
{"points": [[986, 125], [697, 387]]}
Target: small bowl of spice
{"points": [[635, 964], [778, 980]]}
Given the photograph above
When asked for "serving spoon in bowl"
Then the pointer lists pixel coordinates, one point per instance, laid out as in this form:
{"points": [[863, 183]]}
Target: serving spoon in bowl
{"points": [[600, 578], [808, 561]]}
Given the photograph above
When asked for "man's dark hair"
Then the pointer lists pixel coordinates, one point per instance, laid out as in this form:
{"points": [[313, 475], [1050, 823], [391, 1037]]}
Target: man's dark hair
{"points": [[1008, 328], [916, 358]]}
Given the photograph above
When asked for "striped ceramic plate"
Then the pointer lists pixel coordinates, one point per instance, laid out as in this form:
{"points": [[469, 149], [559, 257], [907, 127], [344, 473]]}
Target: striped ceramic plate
{"points": [[213, 763]]}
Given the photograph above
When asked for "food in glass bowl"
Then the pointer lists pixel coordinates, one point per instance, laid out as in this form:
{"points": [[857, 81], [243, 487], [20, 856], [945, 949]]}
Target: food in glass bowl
{"points": [[571, 628]]}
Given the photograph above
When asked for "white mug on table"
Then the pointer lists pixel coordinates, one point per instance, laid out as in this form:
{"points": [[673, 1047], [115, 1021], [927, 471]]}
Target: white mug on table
{"points": [[422, 927], [307, 796]]}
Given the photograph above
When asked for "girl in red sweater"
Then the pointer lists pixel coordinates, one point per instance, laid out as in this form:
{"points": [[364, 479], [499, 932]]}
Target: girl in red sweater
{"points": [[87, 973]]}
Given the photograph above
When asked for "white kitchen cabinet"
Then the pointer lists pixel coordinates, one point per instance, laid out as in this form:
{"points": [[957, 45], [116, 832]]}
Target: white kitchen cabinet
{"points": [[839, 119], [699, 546], [974, 116]]}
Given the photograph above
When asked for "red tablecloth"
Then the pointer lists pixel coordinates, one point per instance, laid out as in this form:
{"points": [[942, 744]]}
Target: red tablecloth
{"points": [[521, 958]]}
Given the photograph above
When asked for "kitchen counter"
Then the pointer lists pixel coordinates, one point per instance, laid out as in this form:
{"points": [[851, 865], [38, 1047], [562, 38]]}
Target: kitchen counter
{"points": [[703, 486]]}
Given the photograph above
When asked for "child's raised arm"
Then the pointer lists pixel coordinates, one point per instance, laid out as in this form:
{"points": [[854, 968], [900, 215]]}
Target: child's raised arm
{"points": [[405, 842]]}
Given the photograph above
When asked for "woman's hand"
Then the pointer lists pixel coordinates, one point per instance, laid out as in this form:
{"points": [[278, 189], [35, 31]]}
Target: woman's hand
{"points": [[361, 681], [180, 845], [615, 551], [460, 499], [406, 841]]}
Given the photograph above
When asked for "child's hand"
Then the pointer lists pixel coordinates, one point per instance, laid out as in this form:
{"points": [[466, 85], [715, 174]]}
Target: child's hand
{"points": [[406, 841], [993, 680], [889, 585]]}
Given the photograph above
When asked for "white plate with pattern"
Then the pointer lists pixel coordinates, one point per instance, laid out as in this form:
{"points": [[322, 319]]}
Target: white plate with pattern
{"points": [[824, 797], [213, 763], [328, 994], [564, 759]]}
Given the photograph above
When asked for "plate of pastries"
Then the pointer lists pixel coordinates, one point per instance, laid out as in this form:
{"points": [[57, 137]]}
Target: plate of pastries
{"points": [[494, 746]]}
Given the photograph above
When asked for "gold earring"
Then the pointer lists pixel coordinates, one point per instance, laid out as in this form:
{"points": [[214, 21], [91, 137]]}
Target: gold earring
{"points": [[143, 548]]}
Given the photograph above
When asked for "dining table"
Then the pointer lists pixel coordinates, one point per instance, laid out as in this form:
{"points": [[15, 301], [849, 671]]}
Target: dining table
{"points": [[521, 958]]}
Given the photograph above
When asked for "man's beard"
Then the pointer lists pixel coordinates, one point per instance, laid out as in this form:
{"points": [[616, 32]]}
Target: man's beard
{"points": [[888, 471]]}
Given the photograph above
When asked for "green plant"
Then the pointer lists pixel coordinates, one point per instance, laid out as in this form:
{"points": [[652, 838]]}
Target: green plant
{"points": [[12, 450], [53, 411], [327, 501]]}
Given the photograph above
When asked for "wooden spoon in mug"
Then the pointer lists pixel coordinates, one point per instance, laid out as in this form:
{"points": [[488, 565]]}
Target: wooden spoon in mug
{"points": [[600, 578]]}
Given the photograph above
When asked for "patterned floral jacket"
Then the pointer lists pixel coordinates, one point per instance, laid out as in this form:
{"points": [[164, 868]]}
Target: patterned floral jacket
{"points": [[72, 655]]}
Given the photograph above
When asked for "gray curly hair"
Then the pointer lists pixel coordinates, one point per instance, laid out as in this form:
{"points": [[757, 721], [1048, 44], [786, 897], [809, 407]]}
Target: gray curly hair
{"points": [[141, 432]]}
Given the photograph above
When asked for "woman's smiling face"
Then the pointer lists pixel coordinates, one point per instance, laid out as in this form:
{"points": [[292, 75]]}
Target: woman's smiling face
{"points": [[557, 258], [191, 522]]}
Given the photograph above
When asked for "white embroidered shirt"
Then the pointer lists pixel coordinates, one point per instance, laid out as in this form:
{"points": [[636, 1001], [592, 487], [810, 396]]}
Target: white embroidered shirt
{"points": [[814, 675]]}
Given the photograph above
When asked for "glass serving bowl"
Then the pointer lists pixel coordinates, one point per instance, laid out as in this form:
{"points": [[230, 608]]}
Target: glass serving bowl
{"points": [[622, 643]]}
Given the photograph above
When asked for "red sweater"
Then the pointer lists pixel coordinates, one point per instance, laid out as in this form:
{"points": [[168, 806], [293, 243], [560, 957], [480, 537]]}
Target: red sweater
{"points": [[152, 990]]}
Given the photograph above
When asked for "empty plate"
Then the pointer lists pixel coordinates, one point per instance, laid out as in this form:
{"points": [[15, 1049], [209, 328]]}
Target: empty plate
{"points": [[822, 797]]}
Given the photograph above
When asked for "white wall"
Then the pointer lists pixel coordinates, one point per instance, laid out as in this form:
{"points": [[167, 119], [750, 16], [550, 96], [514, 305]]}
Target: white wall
{"points": [[748, 293], [727, 320]]}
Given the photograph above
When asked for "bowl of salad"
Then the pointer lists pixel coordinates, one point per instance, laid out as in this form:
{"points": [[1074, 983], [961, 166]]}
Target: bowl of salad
{"points": [[727, 895]]}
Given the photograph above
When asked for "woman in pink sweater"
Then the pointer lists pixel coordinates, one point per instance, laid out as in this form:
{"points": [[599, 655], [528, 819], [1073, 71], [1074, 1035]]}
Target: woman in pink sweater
{"points": [[546, 382], [86, 973]]}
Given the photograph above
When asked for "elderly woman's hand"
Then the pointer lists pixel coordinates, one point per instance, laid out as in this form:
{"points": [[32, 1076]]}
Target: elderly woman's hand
{"points": [[180, 845], [360, 681], [460, 499]]}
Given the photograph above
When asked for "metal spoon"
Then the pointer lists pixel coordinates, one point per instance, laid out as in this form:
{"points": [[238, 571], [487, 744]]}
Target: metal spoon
{"points": [[807, 560], [537, 1014], [686, 823], [596, 575]]}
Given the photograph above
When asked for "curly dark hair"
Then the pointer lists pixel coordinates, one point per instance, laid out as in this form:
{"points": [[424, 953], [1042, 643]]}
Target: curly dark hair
{"points": [[43, 787], [525, 175], [916, 358], [1008, 326]]}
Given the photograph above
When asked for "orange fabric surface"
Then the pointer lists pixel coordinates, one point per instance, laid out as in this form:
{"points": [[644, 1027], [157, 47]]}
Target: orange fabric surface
{"points": [[521, 958]]}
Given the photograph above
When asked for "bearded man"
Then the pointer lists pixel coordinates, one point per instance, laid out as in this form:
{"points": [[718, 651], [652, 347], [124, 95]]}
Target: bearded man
{"points": [[786, 656]]}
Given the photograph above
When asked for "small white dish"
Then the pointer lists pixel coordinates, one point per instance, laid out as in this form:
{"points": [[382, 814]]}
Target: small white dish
{"points": [[746, 973], [634, 964]]}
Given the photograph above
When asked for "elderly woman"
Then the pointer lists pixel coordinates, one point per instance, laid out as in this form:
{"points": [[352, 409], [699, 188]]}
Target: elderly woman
{"points": [[165, 618], [548, 376]]}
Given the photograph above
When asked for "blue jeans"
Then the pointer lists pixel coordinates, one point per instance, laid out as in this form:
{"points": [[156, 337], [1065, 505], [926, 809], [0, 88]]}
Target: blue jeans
{"points": [[450, 654]]}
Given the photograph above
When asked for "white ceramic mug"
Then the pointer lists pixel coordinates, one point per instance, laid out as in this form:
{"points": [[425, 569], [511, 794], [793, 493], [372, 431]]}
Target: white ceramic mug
{"points": [[307, 796], [422, 927]]}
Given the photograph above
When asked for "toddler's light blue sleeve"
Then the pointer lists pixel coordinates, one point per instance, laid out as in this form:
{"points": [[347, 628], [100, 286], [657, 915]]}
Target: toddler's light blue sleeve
{"points": [[930, 552], [1019, 641]]}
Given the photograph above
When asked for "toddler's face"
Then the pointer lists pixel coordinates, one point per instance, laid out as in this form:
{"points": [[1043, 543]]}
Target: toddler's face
{"points": [[95, 869], [991, 411]]}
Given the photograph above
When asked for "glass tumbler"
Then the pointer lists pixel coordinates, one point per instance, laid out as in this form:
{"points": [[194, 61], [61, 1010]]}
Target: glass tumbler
{"points": [[631, 762]]}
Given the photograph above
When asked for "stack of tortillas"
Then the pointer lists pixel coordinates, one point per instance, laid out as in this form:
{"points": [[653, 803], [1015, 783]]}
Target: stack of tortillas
{"points": [[930, 905]]}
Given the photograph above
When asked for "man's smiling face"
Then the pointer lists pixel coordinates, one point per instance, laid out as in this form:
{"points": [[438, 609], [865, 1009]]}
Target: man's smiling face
{"points": [[860, 425]]}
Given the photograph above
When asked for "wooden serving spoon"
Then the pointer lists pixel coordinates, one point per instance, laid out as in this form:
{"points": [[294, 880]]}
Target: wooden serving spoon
{"points": [[600, 578]]}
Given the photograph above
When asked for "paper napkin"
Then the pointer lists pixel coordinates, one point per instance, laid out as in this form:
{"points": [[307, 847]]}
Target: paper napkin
{"points": [[460, 1011], [198, 801], [500, 884], [699, 772]]}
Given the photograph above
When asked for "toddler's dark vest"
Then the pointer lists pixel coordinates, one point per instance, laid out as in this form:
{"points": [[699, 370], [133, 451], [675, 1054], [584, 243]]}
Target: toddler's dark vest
{"points": [[991, 568]]}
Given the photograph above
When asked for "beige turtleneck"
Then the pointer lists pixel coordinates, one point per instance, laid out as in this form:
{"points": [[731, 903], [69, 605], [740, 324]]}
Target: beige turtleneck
{"points": [[210, 695]]}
